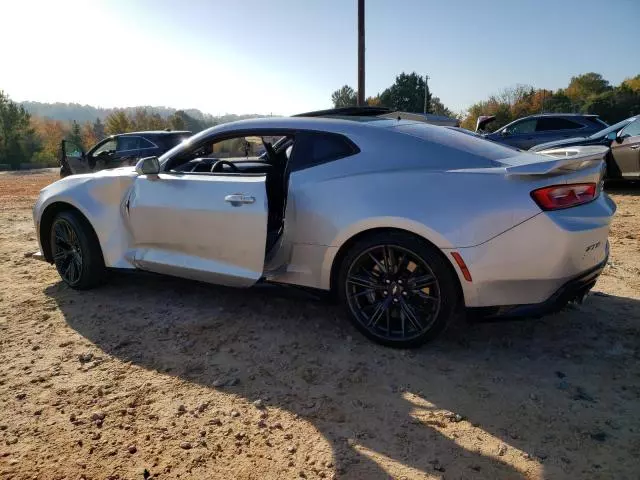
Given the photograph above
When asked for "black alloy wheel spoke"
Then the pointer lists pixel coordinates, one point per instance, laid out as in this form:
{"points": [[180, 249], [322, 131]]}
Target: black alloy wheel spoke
{"points": [[411, 316], [367, 281], [382, 267], [67, 253], [403, 263], [418, 283], [425, 296], [382, 307], [389, 260]]}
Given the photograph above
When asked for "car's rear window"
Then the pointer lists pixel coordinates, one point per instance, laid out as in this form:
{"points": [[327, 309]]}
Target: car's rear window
{"points": [[450, 138], [171, 141], [596, 122]]}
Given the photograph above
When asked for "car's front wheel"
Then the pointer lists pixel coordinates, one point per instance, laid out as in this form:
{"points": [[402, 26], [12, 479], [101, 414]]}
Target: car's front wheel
{"points": [[397, 289], [76, 251]]}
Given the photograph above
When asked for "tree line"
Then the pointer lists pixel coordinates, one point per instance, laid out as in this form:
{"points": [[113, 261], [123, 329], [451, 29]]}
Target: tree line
{"points": [[586, 93], [35, 140], [409, 93]]}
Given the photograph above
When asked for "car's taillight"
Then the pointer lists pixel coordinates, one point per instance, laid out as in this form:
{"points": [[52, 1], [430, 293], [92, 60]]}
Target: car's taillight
{"points": [[564, 196]]}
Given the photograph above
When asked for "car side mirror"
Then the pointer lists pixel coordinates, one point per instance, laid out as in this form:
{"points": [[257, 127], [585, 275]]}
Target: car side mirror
{"points": [[619, 137], [504, 132], [148, 166]]}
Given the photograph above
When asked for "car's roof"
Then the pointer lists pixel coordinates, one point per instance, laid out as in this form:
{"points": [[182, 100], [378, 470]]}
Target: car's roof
{"points": [[328, 124], [538, 115], [154, 133]]}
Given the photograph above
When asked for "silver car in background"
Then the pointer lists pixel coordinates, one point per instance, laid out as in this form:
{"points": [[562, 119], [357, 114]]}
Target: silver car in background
{"points": [[407, 223]]}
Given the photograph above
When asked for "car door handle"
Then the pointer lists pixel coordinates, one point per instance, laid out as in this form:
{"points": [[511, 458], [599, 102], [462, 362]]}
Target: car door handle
{"points": [[634, 147], [238, 199]]}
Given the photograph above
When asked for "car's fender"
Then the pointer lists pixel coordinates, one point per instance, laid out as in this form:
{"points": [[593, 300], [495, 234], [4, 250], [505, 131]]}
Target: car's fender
{"points": [[100, 198]]}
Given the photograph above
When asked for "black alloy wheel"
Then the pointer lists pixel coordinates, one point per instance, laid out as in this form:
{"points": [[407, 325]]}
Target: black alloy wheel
{"points": [[75, 250], [399, 292]]}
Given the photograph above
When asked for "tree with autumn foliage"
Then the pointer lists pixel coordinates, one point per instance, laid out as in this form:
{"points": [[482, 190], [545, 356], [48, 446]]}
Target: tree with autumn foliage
{"points": [[587, 93], [51, 133]]}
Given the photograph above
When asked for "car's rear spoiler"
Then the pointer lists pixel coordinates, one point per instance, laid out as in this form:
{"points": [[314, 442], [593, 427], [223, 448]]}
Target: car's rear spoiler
{"points": [[562, 160]]}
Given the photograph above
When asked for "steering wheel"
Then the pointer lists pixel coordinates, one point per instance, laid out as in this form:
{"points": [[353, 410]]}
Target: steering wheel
{"points": [[220, 163]]}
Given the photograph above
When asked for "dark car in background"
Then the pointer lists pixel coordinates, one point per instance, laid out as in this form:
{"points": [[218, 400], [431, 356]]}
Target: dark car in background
{"points": [[528, 131], [118, 150], [623, 140]]}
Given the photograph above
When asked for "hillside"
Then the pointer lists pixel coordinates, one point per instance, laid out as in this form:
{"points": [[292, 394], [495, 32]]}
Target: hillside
{"points": [[89, 113]]}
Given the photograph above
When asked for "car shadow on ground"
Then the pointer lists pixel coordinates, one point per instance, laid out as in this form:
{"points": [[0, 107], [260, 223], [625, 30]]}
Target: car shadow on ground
{"points": [[371, 402]]}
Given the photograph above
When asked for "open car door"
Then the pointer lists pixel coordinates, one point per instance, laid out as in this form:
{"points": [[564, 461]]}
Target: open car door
{"points": [[72, 159], [202, 226]]}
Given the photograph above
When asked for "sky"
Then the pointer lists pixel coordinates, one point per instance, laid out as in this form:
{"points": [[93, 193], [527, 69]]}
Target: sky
{"points": [[287, 56]]}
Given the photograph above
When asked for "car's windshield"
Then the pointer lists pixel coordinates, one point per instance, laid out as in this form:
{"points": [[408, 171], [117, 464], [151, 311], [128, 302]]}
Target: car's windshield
{"points": [[613, 128], [184, 144]]}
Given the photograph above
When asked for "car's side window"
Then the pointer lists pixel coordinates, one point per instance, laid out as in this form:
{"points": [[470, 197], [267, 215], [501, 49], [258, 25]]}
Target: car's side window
{"points": [[144, 143], [127, 143], [239, 148], [550, 124], [525, 126], [631, 130], [107, 147], [257, 153], [316, 148]]}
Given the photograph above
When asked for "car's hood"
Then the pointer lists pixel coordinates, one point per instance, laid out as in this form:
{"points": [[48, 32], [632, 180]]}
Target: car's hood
{"points": [[566, 142]]}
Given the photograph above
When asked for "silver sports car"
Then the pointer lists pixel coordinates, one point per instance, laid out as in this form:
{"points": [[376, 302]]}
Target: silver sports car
{"points": [[407, 223]]}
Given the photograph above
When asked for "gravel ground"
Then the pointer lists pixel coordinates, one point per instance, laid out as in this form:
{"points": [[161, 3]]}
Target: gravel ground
{"points": [[151, 377]]}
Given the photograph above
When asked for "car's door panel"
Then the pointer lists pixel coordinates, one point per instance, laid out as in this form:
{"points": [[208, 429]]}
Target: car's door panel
{"points": [[201, 226], [627, 156]]}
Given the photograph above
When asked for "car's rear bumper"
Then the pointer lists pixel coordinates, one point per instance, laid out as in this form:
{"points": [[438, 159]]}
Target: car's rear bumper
{"points": [[529, 263], [573, 291]]}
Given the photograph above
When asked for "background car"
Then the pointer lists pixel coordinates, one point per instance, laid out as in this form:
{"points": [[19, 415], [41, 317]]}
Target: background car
{"points": [[526, 132], [405, 222], [117, 150], [623, 140]]}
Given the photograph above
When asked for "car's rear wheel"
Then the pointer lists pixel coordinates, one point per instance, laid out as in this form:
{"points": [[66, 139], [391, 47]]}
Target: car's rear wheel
{"points": [[76, 251], [397, 289]]}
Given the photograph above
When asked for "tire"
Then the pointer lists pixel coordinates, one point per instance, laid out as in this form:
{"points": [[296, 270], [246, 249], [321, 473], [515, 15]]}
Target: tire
{"points": [[419, 277], [76, 251]]}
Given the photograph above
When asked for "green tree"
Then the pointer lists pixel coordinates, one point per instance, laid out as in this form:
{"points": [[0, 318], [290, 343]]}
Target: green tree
{"points": [[98, 129], [18, 143], [407, 94], [614, 105], [75, 136], [586, 85], [558, 102], [181, 120], [118, 122], [344, 97], [438, 108]]}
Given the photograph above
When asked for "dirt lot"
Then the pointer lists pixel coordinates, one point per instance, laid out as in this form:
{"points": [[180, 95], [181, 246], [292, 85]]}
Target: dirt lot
{"points": [[184, 380]]}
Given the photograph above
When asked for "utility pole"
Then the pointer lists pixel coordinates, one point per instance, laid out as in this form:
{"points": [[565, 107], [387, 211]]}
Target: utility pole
{"points": [[360, 53], [426, 89]]}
